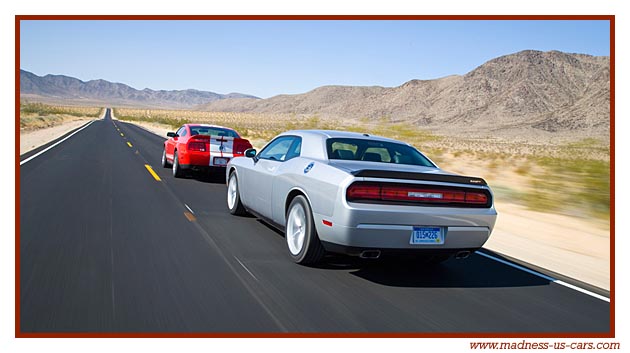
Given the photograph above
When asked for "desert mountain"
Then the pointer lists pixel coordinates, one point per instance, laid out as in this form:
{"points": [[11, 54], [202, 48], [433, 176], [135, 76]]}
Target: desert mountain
{"points": [[70, 89], [526, 92]]}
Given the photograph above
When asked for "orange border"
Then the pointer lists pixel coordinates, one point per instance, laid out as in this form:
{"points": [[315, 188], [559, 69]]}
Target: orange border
{"points": [[610, 334]]}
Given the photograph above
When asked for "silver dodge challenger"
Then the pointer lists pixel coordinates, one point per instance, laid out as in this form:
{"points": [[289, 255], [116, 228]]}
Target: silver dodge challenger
{"points": [[361, 195]]}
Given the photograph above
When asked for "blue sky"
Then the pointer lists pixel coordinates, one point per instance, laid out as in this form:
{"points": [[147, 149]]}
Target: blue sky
{"points": [[266, 58]]}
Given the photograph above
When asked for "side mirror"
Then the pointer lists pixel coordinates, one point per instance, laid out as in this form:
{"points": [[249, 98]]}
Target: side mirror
{"points": [[250, 153], [171, 134]]}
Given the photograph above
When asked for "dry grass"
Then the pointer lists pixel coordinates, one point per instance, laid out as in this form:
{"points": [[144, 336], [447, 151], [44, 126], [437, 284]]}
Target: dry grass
{"points": [[35, 116], [571, 179]]}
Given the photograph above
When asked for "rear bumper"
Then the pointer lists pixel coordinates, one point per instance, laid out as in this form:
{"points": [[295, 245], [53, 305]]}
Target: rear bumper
{"points": [[202, 159], [391, 227], [190, 159], [205, 168], [391, 236]]}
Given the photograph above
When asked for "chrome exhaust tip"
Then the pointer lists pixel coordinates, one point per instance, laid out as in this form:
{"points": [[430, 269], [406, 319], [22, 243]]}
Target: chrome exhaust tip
{"points": [[460, 255], [370, 254]]}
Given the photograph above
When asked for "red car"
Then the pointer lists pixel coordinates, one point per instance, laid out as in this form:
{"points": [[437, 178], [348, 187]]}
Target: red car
{"points": [[202, 147]]}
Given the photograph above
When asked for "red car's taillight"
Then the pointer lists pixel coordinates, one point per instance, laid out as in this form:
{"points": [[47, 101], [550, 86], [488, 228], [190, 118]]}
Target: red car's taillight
{"points": [[424, 194], [197, 146], [240, 145]]}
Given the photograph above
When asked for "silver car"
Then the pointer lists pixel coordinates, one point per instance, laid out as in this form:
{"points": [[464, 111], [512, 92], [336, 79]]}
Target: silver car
{"points": [[361, 195]]}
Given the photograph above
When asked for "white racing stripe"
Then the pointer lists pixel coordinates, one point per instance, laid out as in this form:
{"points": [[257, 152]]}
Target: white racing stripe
{"points": [[548, 278], [221, 147], [55, 144]]}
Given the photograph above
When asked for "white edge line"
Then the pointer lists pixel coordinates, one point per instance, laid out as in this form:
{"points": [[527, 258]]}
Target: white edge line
{"points": [[55, 144], [548, 278], [189, 209], [246, 269]]}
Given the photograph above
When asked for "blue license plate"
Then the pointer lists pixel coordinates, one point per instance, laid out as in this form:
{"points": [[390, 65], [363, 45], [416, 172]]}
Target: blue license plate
{"points": [[427, 235]]}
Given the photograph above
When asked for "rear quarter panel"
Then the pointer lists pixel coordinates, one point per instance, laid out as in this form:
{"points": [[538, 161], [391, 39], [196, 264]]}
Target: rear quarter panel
{"points": [[321, 185]]}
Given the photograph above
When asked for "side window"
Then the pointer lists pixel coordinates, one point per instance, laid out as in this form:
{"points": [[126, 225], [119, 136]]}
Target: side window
{"points": [[295, 149], [181, 132], [278, 149]]}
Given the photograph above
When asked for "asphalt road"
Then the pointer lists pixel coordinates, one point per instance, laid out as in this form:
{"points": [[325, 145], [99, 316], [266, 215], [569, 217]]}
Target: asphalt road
{"points": [[105, 247]]}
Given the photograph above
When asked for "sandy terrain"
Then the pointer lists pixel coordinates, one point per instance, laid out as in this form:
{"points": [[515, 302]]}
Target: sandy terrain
{"points": [[32, 139], [574, 247]]}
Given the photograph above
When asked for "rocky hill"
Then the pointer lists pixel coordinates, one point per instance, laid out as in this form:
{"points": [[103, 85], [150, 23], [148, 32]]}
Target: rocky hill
{"points": [[529, 92], [69, 89]]}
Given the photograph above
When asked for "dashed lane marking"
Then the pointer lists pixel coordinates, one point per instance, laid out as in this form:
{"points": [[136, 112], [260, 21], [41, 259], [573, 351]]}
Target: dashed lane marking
{"points": [[191, 217], [153, 173]]}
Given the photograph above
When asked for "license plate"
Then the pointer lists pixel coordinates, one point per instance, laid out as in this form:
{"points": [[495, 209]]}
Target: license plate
{"points": [[221, 161], [427, 235]]}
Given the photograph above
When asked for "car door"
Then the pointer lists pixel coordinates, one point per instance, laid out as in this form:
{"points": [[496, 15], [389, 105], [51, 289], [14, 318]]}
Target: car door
{"points": [[171, 143], [260, 177]]}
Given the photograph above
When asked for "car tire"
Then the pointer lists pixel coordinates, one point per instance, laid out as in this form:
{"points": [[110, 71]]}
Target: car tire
{"points": [[177, 170], [165, 163], [234, 198], [302, 241]]}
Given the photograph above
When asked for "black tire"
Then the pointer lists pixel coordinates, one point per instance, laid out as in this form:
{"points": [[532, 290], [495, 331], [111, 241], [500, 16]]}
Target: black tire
{"points": [[177, 170], [165, 163], [234, 197], [311, 250]]}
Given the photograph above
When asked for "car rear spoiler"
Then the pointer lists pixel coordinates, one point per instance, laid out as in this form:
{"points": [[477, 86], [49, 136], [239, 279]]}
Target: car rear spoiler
{"points": [[207, 137], [238, 145], [386, 174]]}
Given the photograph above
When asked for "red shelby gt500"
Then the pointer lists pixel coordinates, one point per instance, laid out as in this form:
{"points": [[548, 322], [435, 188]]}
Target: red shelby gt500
{"points": [[201, 147]]}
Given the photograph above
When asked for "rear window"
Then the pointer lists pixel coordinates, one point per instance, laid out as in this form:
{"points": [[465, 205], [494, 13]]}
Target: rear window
{"points": [[212, 131], [375, 151]]}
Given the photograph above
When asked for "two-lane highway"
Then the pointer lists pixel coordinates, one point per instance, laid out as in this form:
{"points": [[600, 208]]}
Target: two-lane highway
{"points": [[108, 244]]}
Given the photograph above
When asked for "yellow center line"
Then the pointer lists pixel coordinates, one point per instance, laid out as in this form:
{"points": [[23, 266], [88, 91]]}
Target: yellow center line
{"points": [[129, 144], [155, 176], [190, 216]]}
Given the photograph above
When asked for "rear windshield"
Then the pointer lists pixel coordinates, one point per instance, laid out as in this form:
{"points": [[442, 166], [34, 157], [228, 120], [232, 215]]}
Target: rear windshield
{"points": [[212, 131], [375, 151]]}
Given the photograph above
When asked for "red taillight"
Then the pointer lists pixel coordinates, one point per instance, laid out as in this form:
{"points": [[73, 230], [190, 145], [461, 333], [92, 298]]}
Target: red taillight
{"points": [[197, 146], [362, 191], [476, 197], [240, 145], [403, 193]]}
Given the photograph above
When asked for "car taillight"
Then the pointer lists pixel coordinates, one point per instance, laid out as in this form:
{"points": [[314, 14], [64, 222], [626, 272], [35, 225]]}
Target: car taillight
{"points": [[240, 145], [475, 197], [363, 192], [366, 192], [197, 146]]}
